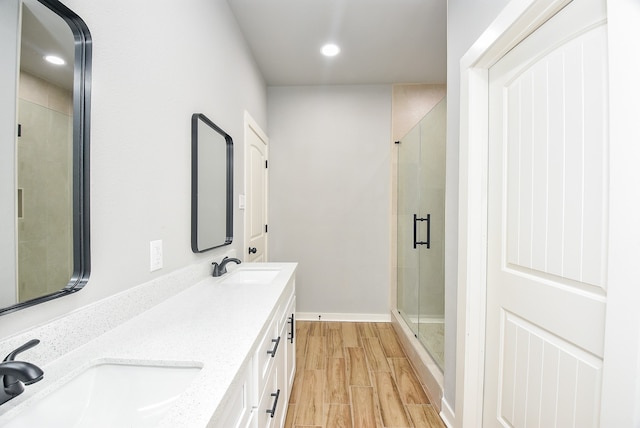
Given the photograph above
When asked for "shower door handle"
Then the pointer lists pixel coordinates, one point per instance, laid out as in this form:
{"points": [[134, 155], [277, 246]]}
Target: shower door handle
{"points": [[415, 231]]}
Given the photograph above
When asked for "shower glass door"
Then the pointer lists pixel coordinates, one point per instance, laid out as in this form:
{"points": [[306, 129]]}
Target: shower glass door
{"points": [[421, 186]]}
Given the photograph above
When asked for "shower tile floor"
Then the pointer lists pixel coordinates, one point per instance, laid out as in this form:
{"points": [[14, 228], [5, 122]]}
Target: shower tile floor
{"points": [[431, 334]]}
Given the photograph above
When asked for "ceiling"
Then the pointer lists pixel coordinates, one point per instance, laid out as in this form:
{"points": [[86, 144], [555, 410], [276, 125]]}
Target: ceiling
{"points": [[43, 33], [381, 41]]}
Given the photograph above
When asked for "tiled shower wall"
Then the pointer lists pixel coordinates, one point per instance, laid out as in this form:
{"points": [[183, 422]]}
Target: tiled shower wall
{"points": [[45, 238], [410, 103]]}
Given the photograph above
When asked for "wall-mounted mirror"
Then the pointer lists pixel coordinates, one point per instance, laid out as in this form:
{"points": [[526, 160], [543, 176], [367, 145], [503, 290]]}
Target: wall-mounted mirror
{"points": [[211, 185], [44, 152]]}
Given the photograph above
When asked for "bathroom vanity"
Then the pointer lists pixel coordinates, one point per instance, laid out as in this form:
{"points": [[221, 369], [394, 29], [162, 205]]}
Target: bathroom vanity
{"points": [[259, 398], [220, 353]]}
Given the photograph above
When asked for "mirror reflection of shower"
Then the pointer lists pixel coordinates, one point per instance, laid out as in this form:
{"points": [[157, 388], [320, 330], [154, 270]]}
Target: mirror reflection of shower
{"points": [[421, 203], [45, 153]]}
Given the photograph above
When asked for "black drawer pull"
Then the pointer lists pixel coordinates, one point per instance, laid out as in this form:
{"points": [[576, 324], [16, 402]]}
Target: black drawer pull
{"points": [[272, 410], [275, 348], [293, 327]]}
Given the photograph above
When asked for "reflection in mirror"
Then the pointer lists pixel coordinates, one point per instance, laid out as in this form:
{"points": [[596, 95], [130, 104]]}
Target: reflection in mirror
{"points": [[49, 162], [211, 185]]}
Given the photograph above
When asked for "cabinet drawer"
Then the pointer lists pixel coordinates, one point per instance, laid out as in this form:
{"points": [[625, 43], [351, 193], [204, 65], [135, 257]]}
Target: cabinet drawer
{"points": [[265, 354], [290, 347], [237, 410], [285, 302], [272, 401], [281, 314]]}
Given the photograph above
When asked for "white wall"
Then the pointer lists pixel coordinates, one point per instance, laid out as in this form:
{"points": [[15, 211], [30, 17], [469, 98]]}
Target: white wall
{"points": [[466, 20], [329, 194], [154, 64]]}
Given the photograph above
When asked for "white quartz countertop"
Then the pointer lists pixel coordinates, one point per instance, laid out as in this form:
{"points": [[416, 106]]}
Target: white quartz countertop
{"points": [[211, 324]]}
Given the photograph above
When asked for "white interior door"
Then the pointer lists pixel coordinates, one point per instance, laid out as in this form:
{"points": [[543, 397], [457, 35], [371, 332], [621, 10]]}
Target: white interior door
{"points": [[547, 224], [256, 150]]}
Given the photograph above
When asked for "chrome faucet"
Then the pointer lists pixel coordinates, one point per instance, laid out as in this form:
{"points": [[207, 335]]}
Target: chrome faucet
{"points": [[16, 374], [221, 269]]}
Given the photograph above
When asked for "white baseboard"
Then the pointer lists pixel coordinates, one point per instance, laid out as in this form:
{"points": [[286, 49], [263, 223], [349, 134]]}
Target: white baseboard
{"points": [[447, 415], [315, 316]]}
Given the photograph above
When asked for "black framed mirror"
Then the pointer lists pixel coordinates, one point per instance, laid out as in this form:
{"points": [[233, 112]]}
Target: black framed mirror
{"points": [[211, 185], [45, 182]]}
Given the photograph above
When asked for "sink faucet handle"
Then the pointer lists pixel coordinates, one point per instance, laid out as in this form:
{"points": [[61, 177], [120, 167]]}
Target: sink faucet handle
{"points": [[12, 355], [216, 269], [220, 269]]}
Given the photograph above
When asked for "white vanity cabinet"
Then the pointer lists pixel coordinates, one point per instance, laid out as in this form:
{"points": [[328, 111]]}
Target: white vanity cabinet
{"points": [[259, 397], [275, 364], [223, 326], [238, 410]]}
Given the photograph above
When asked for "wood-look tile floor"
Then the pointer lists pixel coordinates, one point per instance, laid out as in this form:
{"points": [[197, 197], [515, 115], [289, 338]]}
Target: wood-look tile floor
{"points": [[355, 375]]}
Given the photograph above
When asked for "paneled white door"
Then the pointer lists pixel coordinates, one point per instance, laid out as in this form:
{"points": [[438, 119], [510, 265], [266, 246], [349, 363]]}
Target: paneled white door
{"points": [[256, 150], [547, 224]]}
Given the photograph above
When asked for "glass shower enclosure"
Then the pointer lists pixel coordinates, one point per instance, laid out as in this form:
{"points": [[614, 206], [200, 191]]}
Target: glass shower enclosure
{"points": [[421, 190]]}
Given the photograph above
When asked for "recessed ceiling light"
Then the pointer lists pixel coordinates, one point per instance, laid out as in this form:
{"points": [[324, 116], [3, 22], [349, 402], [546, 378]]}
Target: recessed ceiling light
{"points": [[330, 49], [54, 60]]}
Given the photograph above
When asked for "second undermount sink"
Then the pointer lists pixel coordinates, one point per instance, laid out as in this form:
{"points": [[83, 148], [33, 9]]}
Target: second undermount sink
{"points": [[252, 276], [109, 395]]}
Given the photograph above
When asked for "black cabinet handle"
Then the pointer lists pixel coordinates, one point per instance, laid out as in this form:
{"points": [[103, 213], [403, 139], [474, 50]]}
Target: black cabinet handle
{"points": [[415, 231], [275, 348], [272, 410], [293, 327], [253, 250]]}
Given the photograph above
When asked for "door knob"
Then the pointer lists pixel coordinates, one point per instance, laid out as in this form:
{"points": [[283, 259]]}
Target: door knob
{"points": [[253, 250]]}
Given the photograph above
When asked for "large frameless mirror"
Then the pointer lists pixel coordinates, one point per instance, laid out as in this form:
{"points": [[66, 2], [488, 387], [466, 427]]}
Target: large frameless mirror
{"points": [[44, 154], [211, 185]]}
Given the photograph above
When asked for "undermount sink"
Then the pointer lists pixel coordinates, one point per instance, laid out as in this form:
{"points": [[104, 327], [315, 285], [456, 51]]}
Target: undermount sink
{"points": [[252, 276], [109, 395]]}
